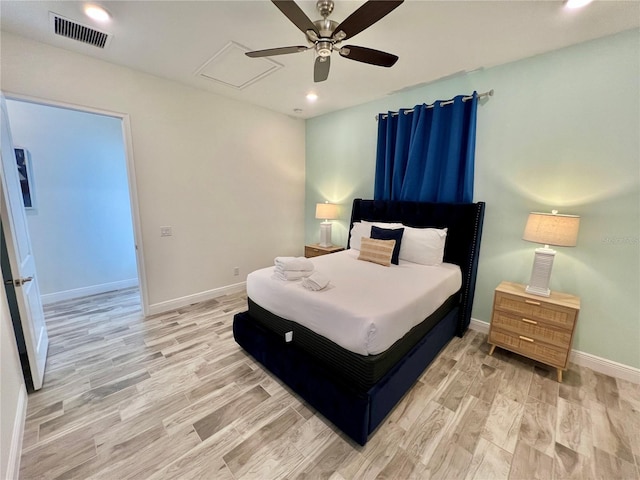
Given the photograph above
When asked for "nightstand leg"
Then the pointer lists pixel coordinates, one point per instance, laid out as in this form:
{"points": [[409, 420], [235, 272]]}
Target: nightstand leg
{"points": [[493, 347], [559, 376]]}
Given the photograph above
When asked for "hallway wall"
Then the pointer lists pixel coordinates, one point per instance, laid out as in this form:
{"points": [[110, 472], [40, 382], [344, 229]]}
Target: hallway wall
{"points": [[81, 229]]}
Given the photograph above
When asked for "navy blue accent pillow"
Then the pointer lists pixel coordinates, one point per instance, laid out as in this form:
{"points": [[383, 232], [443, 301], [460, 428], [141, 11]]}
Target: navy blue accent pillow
{"points": [[389, 234]]}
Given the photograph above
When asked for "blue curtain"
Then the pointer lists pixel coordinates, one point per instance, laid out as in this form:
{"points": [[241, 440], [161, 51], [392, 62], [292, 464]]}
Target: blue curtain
{"points": [[427, 155]]}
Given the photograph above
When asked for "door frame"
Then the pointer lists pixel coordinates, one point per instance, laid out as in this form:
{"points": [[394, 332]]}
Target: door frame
{"points": [[131, 176]]}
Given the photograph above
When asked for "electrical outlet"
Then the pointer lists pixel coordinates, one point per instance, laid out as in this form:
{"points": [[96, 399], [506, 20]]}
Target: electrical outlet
{"points": [[165, 231], [236, 271]]}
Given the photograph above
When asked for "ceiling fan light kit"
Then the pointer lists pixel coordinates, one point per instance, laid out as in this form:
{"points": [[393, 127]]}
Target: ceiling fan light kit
{"points": [[325, 35]]}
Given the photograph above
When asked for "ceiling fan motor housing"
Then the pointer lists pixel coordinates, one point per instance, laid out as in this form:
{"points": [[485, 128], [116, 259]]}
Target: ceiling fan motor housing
{"points": [[325, 27]]}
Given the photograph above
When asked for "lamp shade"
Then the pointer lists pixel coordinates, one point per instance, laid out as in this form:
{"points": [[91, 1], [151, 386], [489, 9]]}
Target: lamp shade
{"points": [[328, 211], [552, 229]]}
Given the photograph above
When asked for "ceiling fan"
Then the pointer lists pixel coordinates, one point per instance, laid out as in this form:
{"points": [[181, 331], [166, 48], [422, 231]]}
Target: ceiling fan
{"points": [[326, 35]]}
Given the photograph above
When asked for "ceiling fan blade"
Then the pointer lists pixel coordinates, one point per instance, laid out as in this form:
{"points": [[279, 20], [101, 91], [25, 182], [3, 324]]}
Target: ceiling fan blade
{"points": [[321, 69], [294, 13], [368, 55], [269, 52], [364, 17]]}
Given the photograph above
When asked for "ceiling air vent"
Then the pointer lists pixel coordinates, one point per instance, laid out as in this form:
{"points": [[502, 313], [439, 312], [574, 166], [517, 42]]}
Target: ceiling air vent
{"points": [[76, 31]]}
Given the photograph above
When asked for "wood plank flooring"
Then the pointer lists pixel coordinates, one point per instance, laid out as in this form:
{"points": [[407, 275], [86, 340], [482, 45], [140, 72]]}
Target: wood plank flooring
{"points": [[173, 396]]}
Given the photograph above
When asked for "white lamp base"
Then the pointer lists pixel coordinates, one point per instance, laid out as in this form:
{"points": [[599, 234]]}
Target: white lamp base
{"points": [[325, 234], [541, 272]]}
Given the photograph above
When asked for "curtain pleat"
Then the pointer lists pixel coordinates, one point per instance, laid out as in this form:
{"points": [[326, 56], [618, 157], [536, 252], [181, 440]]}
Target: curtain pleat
{"points": [[427, 155]]}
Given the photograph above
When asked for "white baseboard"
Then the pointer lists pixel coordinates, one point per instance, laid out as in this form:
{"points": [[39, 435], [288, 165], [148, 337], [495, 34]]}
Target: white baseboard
{"points": [[86, 291], [15, 450], [608, 367], [195, 298], [479, 326], [595, 363]]}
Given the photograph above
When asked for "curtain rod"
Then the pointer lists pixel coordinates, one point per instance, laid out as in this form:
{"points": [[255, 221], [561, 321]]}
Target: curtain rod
{"points": [[442, 104]]}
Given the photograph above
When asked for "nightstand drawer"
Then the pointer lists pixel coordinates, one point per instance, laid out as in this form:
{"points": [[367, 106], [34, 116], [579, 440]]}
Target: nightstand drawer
{"points": [[529, 347], [555, 315], [315, 250], [536, 329]]}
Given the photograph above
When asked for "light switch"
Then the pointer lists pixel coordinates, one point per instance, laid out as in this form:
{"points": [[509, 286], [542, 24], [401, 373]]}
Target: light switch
{"points": [[165, 231]]}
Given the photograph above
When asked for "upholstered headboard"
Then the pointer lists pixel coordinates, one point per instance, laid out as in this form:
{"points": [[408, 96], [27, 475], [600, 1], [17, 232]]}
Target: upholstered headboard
{"points": [[464, 224]]}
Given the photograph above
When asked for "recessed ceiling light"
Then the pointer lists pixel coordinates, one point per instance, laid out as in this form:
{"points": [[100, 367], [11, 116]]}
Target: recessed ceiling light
{"points": [[576, 3], [97, 13], [312, 97]]}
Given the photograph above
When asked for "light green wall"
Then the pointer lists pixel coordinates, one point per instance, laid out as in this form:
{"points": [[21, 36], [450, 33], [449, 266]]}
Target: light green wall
{"points": [[562, 131]]}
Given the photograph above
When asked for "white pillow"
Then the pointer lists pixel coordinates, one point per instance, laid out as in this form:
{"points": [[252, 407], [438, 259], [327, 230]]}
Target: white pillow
{"points": [[423, 245], [363, 229], [357, 232]]}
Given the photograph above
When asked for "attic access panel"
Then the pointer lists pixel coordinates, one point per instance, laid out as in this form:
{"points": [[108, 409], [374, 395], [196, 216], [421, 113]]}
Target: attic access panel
{"points": [[231, 67]]}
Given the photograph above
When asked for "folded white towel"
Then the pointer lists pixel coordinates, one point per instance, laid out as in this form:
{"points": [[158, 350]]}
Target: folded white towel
{"points": [[289, 275], [294, 264], [316, 281]]}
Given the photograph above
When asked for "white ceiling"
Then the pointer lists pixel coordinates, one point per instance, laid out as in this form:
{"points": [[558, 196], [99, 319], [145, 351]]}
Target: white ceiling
{"points": [[434, 39]]}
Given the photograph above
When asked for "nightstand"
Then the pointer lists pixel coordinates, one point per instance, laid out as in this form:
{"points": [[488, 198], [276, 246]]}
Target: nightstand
{"points": [[315, 250], [540, 328]]}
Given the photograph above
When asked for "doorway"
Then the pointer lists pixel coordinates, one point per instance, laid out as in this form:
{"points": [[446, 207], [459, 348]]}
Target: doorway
{"points": [[82, 205]]}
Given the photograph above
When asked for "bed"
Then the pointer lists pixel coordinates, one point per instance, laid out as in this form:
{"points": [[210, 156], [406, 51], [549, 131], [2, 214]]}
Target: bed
{"points": [[355, 385]]}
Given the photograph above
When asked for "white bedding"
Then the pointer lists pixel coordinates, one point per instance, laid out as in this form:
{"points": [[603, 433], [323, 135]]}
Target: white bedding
{"points": [[367, 307]]}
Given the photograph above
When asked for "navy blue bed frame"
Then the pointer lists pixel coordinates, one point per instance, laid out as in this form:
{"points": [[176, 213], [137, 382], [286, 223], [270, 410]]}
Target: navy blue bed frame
{"points": [[359, 413]]}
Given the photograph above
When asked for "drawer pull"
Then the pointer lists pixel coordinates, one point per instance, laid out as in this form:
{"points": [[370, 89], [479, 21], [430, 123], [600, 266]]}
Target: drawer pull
{"points": [[526, 339], [532, 302], [532, 322]]}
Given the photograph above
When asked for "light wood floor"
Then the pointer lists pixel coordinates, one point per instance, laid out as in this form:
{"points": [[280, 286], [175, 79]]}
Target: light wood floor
{"points": [[173, 396]]}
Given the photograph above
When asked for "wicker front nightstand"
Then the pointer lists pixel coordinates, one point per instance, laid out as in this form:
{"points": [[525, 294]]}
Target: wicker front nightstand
{"points": [[540, 328], [315, 250]]}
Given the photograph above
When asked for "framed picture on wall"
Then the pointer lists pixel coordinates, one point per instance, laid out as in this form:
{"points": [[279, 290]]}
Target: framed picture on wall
{"points": [[25, 173]]}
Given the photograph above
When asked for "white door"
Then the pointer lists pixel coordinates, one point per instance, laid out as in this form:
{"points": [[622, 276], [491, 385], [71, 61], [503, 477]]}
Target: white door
{"points": [[23, 270]]}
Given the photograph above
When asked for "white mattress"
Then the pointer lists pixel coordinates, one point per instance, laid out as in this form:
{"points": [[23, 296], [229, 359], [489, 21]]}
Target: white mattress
{"points": [[367, 307]]}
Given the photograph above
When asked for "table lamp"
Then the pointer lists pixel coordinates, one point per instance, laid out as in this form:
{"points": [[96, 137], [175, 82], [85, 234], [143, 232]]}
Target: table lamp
{"points": [[328, 211], [548, 229]]}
